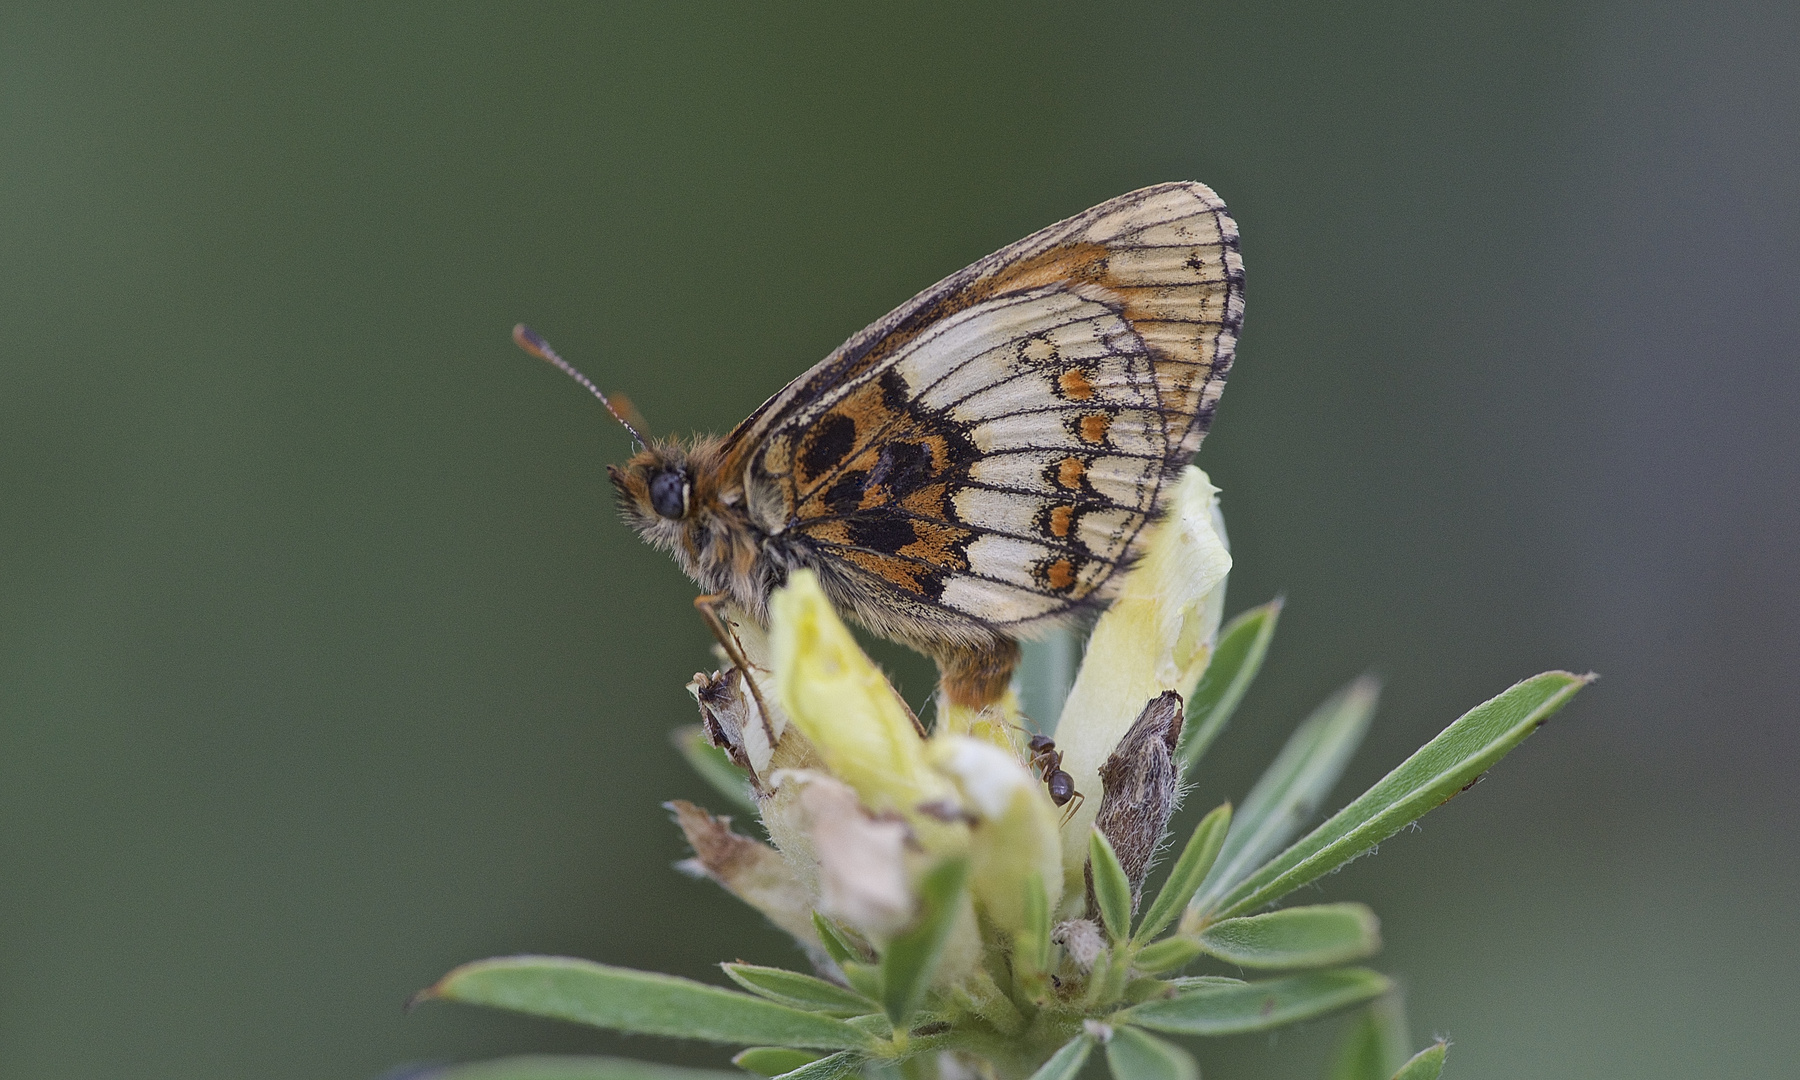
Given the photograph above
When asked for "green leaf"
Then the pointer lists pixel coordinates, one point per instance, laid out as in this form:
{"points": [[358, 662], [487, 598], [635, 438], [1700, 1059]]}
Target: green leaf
{"points": [[1257, 1006], [772, 1060], [838, 945], [1066, 1063], [1112, 890], [1138, 1055], [1189, 871], [800, 991], [1288, 793], [1297, 937], [1236, 659], [1375, 1042], [1167, 955], [1426, 1064], [1184, 983], [911, 958], [1431, 777], [828, 1068], [638, 1001], [571, 1067], [714, 766]]}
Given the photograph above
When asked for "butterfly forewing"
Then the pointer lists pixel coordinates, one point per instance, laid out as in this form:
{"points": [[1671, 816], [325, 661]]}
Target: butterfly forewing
{"points": [[991, 451]]}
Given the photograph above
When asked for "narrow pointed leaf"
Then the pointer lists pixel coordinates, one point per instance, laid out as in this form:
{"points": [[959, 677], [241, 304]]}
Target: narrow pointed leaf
{"points": [[638, 1001], [1189, 871], [828, 1068], [1236, 659], [714, 766], [1066, 1063], [1297, 937], [800, 991], [1286, 796], [772, 1060], [838, 946], [570, 1067], [911, 958], [1167, 955], [1112, 891], [1258, 1006], [1431, 777], [1375, 1042], [1184, 983], [1132, 1054], [1426, 1064]]}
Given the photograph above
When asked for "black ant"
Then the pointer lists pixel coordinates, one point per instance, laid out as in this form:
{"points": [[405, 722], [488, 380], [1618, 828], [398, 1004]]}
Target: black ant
{"points": [[1048, 760]]}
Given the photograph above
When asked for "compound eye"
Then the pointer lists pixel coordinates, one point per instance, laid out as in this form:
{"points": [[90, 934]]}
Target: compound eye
{"points": [[669, 494]]}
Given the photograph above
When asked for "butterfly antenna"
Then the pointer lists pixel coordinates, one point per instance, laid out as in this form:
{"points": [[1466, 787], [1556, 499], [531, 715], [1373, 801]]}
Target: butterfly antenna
{"points": [[526, 338]]}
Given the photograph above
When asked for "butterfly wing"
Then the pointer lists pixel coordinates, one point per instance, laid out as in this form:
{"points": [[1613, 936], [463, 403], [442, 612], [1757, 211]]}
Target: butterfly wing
{"points": [[986, 457]]}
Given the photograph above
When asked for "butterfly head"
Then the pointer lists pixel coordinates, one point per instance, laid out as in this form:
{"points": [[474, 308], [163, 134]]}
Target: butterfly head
{"points": [[673, 495], [656, 488]]}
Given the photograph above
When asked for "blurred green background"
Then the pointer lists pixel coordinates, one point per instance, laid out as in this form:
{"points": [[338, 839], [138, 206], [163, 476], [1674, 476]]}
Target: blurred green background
{"points": [[325, 664]]}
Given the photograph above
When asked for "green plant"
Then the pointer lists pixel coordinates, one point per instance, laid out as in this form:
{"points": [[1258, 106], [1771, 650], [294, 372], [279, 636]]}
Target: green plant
{"points": [[959, 922]]}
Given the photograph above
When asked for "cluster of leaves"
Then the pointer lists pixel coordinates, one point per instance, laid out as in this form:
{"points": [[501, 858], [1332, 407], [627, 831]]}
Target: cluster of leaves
{"points": [[1035, 1012]]}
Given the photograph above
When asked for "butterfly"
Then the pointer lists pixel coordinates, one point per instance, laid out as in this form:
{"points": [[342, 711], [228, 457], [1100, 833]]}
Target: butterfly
{"points": [[983, 463]]}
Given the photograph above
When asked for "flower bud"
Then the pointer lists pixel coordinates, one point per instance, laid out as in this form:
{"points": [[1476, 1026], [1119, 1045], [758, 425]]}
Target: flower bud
{"points": [[841, 702]]}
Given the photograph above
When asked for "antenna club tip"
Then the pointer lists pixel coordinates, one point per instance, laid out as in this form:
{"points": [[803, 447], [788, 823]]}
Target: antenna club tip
{"points": [[526, 338]]}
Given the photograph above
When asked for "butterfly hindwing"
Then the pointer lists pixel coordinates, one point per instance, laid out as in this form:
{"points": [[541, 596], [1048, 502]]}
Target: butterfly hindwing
{"points": [[992, 450]]}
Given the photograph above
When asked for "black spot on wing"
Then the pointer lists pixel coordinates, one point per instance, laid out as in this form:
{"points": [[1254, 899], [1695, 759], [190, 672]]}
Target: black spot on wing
{"points": [[902, 468], [879, 531], [829, 443], [895, 394], [846, 495]]}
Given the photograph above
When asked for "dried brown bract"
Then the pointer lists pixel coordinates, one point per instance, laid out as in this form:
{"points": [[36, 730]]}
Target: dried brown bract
{"points": [[1142, 787]]}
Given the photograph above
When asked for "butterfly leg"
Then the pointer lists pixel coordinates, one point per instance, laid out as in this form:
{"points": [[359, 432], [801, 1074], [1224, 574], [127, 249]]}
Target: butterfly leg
{"points": [[977, 677]]}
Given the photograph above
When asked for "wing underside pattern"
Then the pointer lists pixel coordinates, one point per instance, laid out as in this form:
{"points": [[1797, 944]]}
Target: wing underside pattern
{"points": [[993, 449]]}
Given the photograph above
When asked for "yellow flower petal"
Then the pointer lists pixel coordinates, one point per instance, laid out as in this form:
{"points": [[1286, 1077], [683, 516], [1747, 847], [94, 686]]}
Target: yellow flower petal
{"points": [[844, 706]]}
